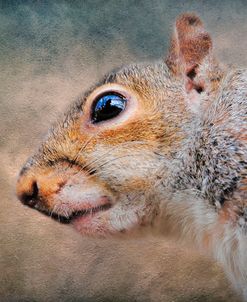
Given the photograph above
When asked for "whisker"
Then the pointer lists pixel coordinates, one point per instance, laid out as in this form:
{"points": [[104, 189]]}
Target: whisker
{"points": [[112, 149], [85, 145], [95, 171], [115, 148], [114, 159], [74, 160]]}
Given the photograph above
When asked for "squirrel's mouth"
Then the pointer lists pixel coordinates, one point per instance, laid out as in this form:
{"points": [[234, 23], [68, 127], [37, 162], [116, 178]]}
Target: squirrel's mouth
{"points": [[76, 214], [89, 212]]}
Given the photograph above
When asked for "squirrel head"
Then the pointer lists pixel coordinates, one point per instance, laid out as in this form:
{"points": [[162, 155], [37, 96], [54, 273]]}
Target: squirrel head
{"points": [[98, 165]]}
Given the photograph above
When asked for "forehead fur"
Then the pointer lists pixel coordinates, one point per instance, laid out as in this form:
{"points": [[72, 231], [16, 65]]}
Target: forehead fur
{"points": [[140, 76], [147, 79]]}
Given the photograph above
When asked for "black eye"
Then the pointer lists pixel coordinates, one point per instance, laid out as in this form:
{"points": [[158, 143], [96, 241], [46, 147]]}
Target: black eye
{"points": [[108, 106]]}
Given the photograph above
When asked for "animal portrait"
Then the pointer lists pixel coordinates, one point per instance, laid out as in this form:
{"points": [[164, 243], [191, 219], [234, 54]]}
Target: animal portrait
{"points": [[142, 160]]}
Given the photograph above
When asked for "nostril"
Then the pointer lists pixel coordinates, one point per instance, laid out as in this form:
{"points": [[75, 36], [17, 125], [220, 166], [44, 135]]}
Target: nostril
{"points": [[30, 198]]}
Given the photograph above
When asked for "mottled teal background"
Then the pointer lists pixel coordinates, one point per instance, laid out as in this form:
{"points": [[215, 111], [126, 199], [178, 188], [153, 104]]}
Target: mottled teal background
{"points": [[50, 51]]}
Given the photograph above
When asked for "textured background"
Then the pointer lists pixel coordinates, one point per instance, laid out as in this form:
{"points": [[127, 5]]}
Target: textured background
{"points": [[49, 53]]}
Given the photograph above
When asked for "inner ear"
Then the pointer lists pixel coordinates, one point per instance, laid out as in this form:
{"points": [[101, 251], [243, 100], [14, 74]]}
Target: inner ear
{"points": [[194, 86], [191, 81], [191, 74]]}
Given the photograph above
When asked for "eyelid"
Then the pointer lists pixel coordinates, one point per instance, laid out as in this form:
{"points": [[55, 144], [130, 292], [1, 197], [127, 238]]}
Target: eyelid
{"points": [[108, 92], [131, 111]]}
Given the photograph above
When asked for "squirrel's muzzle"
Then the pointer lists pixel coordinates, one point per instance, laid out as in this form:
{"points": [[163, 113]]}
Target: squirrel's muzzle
{"points": [[62, 191]]}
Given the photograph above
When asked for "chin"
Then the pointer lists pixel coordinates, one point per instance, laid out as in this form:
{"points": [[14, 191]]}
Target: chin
{"points": [[111, 222], [93, 224]]}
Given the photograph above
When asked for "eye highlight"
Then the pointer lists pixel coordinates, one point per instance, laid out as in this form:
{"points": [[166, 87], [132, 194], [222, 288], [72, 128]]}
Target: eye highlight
{"points": [[108, 106]]}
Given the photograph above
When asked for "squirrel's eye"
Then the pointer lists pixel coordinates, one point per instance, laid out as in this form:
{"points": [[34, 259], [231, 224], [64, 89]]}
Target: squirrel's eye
{"points": [[108, 106]]}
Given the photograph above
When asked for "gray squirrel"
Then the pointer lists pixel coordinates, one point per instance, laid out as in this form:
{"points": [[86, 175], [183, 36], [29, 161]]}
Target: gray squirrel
{"points": [[154, 147]]}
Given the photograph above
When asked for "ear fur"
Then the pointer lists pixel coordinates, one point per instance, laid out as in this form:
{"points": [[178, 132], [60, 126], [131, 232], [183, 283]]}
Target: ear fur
{"points": [[190, 57], [190, 44]]}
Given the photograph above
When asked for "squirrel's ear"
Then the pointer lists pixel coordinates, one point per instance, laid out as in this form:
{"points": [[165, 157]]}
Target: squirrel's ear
{"points": [[190, 55], [190, 44]]}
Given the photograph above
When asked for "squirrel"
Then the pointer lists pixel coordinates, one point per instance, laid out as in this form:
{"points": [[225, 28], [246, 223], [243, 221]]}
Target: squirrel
{"points": [[156, 146]]}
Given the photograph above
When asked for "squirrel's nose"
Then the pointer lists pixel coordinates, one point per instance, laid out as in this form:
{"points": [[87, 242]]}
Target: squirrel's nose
{"points": [[27, 191], [39, 186]]}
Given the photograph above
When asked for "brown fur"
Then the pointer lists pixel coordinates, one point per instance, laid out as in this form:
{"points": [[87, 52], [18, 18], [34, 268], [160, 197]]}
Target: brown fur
{"points": [[157, 165]]}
